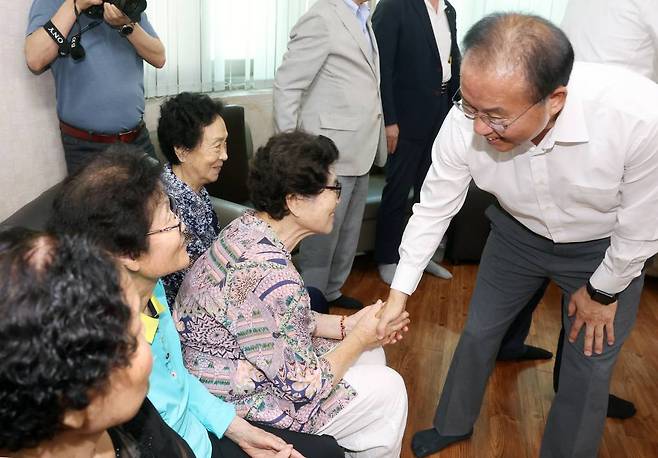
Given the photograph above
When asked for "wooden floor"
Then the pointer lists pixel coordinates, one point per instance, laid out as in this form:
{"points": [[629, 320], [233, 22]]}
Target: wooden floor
{"points": [[519, 395]]}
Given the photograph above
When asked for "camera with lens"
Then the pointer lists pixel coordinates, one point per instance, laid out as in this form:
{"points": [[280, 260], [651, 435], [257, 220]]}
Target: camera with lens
{"points": [[131, 8]]}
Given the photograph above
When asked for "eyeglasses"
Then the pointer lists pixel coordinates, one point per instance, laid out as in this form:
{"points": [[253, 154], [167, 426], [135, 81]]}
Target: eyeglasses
{"points": [[337, 188], [498, 125], [179, 226]]}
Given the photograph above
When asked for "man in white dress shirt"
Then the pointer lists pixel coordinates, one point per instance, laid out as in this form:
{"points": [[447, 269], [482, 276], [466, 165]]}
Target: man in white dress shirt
{"points": [[572, 157], [607, 32]]}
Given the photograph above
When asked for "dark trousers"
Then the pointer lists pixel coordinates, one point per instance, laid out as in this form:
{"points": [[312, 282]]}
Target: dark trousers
{"points": [[308, 445], [406, 168], [518, 331], [318, 301], [79, 153], [514, 340], [515, 264]]}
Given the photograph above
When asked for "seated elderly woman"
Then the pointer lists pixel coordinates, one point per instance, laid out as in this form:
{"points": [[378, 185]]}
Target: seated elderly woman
{"points": [[74, 364], [248, 332], [118, 200], [192, 136]]}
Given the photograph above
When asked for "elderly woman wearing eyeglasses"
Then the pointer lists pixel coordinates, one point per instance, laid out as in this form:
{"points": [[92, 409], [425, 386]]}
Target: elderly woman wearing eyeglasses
{"points": [[118, 201], [247, 329]]}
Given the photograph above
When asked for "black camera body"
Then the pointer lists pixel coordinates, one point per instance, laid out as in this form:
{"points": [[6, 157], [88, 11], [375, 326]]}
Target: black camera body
{"points": [[131, 8]]}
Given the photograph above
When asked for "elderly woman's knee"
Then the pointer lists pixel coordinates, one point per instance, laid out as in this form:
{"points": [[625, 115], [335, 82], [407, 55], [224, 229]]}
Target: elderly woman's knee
{"points": [[386, 385]]}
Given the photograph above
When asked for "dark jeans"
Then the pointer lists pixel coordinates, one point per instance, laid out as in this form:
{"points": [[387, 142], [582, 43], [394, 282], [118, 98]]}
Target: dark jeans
{"points": [[514, 266], [308, 445], [79, 153]]}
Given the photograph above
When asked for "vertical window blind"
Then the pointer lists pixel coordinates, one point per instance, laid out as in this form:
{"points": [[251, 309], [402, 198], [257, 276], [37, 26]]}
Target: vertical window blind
{"points": [[225, 45]]}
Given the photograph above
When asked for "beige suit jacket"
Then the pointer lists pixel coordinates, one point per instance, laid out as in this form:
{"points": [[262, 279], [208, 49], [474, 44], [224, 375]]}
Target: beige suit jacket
{"points": [[328, 83]]}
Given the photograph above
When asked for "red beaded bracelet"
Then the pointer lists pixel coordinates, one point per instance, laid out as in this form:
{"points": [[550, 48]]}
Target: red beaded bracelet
{"points": [[342, 327]]}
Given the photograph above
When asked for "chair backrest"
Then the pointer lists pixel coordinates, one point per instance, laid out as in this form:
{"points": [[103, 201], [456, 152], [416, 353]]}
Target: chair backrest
{"points": [[232, 182], [35, 214]]}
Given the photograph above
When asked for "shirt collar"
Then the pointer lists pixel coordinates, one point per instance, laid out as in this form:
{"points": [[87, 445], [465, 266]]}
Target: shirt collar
{"points": [[249, 218], [570, 125], [354, 7], [150, 323], [441, 6]]}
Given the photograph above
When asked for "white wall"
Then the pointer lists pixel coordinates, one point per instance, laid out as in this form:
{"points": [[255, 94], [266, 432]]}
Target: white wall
{"points": [[31, 157]]}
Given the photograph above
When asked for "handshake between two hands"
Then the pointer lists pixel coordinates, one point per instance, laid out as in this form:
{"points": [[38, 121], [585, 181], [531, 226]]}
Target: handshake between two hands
{"points": [[381, 323]]}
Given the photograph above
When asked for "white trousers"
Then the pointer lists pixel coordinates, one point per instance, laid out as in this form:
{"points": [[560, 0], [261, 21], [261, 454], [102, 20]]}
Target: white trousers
{"points": [[372, 424]]}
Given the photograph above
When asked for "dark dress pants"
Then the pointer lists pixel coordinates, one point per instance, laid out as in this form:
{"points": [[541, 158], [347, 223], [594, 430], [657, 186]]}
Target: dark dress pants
{"points": [[514, 340], [406, 168], [515, 263], [309, 445]]}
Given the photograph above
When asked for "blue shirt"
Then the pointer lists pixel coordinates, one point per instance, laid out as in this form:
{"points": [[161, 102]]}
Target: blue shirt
{"points": [[180, 398], [104, 92], [362, 13]]}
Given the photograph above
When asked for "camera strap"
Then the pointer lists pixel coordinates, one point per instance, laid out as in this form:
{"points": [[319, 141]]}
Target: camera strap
{"points": [[76, 50], [58, 37]]}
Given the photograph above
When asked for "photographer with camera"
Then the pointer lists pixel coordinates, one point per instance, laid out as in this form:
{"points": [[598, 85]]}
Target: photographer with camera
{"points": [[95, 50]]}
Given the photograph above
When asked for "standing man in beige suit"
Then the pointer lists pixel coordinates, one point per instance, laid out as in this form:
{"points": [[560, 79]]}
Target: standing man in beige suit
{"points": [[328, 84]]}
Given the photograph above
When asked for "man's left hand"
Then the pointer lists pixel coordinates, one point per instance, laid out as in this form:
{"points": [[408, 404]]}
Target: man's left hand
{"points": [[597, 318], [114, 16]]}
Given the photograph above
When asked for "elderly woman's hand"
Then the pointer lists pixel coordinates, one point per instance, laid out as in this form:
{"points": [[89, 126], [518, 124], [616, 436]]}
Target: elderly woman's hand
{"points": [[364, 325], [258, 443]]}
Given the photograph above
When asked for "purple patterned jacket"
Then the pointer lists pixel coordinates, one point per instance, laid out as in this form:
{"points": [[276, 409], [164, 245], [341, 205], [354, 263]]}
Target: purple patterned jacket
{"points": [[246, 328]]}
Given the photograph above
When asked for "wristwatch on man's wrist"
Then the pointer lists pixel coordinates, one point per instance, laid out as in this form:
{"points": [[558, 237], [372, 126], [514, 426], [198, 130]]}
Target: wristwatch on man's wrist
{"points": [[600, 296], [127, 29]]}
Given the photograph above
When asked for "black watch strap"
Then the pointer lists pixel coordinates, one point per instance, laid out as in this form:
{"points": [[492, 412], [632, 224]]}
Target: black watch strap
{"points": [[600, 296], [127, 29]]}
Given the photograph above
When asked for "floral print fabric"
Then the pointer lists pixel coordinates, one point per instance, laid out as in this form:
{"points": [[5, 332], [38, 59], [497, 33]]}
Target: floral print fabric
{"points": [[199, 216], [246, 328]]}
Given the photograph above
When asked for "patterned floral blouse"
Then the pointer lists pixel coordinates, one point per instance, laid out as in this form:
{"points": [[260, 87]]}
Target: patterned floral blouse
{"points": [[199, 216], [246, 328]]}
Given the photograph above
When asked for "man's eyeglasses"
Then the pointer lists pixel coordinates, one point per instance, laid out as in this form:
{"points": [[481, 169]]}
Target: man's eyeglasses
{"points": [[179, 226], [337, 188], [498, 125]]}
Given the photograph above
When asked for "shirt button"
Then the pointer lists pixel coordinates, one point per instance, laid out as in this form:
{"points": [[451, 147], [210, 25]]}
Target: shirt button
{"points": [[173, 374]]}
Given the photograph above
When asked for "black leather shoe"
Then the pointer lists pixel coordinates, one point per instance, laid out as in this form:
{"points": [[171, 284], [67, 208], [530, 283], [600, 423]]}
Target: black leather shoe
{"points": [[429, 441], [620, 408], [346, 302], [529, 353]]}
